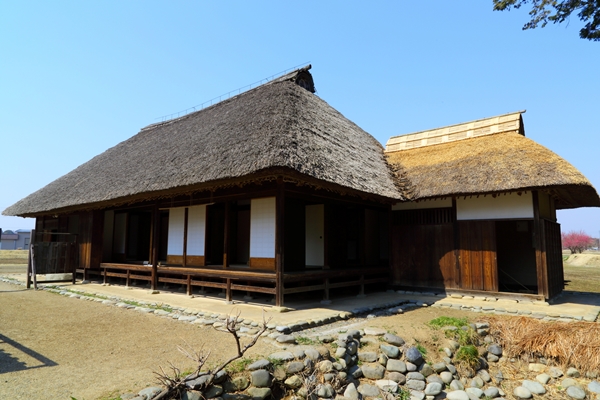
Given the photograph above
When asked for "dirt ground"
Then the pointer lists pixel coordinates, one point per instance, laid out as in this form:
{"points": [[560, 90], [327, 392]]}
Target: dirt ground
{"points": [[52, 346]]}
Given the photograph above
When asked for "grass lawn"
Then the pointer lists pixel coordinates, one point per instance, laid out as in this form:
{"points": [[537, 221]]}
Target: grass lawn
{"points": [[582, 279]]}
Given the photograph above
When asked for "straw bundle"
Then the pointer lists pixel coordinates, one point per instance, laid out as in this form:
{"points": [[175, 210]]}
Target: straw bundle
{"points": [[574, 344]]}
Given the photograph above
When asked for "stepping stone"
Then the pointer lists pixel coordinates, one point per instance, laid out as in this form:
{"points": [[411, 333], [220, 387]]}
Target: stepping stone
{"points": [[393, 339], [457, 395], [260, 364], [368, 390], [522, 393], [374, 331], [594, 386], [576, 392], [534, 387], [387, 385], [373, 371], [282, 356]]}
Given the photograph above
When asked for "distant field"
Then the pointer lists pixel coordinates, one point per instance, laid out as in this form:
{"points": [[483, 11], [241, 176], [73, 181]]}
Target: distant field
{"points": [[13, 256], [582, 272]]}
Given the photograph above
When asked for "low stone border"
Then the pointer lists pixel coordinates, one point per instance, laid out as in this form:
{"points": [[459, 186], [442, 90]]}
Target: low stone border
{"points": [[339, 369]]}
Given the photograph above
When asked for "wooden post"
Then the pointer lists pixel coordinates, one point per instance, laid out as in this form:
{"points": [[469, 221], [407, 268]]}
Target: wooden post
{"points": [[538, 243], [279, 235], [226, 235], [29, 260], [228, 296], [33, 272], [154, 237]]}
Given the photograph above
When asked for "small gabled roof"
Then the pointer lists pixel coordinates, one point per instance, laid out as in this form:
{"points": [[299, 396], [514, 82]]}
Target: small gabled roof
{"points": [[499, 160], [280, 125]]}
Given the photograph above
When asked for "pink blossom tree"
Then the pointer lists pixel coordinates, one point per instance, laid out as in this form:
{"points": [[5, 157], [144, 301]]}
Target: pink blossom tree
{"points": [[577, 242]]}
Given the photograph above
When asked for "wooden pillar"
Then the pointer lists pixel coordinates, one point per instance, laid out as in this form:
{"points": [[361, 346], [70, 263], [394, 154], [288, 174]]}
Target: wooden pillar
{"points": [[279, 235], [154, 237], [228, 295], [29, 259], [226, 231], [540, 248]]}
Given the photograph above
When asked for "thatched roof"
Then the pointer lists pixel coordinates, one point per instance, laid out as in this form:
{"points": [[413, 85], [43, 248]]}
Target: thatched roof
{"points": [[279, 125], [493, 163]]}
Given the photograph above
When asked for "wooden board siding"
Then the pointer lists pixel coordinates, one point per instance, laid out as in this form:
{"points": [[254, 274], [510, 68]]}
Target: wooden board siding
{"points": [[477, 255], [262, 263], [423, 255], [195, 261], [191, 261], [175, 260], [91, 229], [554, 263]]}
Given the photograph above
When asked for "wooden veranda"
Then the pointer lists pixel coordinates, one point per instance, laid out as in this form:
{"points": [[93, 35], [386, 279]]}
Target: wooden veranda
{"points": [[242, 279]]}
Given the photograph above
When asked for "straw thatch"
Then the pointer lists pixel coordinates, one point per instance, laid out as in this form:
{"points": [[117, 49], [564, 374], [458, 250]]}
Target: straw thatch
{"points": [[279, 125], [491, 164], [570, 344]]}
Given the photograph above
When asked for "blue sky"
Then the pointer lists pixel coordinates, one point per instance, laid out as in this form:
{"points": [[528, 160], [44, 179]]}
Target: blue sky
{"points": [[79, 77]]}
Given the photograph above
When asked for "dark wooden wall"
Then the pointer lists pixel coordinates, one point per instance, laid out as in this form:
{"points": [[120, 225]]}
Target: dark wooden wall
{"points": [[422, 248], [553, 249]]}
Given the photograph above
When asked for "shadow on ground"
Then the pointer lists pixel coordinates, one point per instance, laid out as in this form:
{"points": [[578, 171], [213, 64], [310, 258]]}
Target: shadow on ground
{"points": [[16, 357]]}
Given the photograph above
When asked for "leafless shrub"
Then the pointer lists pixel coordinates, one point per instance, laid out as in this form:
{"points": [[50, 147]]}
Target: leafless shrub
{"points": [[175, 381]]}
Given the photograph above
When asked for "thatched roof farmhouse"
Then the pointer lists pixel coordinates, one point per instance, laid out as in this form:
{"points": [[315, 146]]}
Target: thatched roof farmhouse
{"points": [[274, 192]]}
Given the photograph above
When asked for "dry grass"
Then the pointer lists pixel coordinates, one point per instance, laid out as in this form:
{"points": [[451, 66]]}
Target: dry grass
{"points": [[582, 279], [575, 344], [13, 256]]}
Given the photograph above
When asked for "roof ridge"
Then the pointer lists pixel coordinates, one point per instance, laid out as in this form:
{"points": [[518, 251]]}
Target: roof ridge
{"points": [[510, 122], [287, 76]]}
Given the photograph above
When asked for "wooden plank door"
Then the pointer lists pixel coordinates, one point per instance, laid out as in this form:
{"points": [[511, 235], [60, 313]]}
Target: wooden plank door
{"points": [[477, 255]]}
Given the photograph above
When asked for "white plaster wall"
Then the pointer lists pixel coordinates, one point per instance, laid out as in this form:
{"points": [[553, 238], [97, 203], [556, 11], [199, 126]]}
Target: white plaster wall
{"points": [[500, 207], [175, 242], [315, 231], [417, 205], [262, 227], [196, 230]]}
